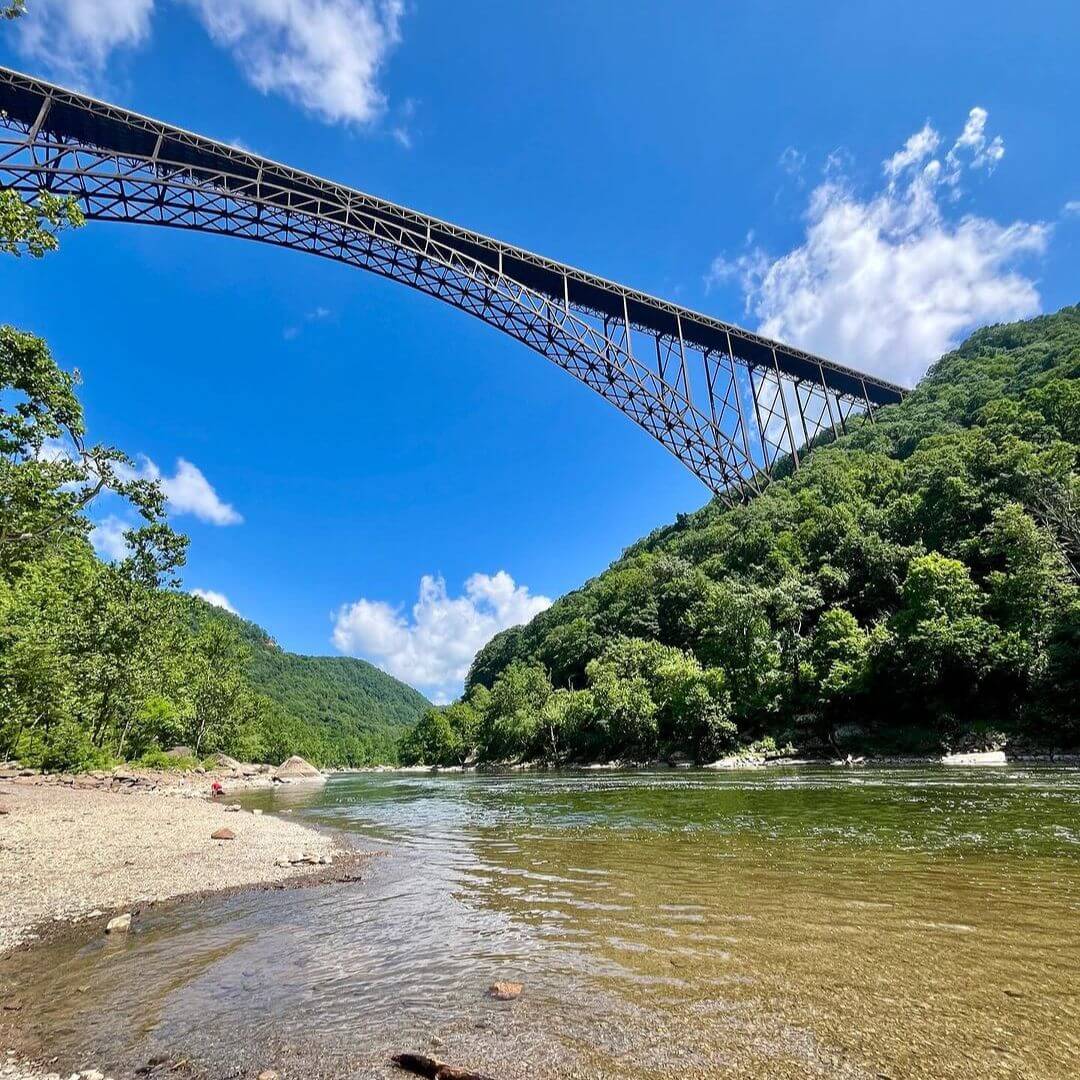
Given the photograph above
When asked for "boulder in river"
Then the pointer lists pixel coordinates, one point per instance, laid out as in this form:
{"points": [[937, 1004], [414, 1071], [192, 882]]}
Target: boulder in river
{"points": [[985, 757], [120, 925], [296, 768]]}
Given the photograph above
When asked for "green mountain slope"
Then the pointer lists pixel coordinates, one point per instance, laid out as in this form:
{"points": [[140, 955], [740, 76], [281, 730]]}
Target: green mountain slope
{"points": [[911, 586], [358, 710]]}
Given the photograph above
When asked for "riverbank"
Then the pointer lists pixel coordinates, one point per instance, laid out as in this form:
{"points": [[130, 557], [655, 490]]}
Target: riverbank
{"points": [[83, 852]]}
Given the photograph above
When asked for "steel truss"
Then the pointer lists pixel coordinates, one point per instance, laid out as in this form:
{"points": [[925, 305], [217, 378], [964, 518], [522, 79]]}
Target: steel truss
{"points": [[729, 404]]}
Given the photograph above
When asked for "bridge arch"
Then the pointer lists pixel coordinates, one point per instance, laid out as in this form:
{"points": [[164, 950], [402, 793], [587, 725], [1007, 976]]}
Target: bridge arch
{"points": [[727, 403]]}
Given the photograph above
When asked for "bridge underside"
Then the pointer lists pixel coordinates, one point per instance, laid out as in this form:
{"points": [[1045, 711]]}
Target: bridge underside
{"points": [[731, 405]]}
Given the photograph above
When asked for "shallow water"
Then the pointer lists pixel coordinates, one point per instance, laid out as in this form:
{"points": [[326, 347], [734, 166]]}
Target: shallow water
{"points": [[918, 923]]}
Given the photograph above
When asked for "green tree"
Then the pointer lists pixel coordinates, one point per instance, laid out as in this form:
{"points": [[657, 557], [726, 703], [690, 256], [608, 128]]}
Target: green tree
{"points": [[512, 718], [222, 702]]}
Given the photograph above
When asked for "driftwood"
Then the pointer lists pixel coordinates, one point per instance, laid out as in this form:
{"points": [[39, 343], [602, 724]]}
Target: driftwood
{"points": [[434, 1070]]}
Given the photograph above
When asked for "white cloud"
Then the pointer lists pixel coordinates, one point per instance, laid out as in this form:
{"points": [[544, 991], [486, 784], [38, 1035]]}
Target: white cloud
{"points": [[433, 649], [972, 143], [792, 160], [915, 151], [888, 282], [107, 538], [323, 54], [216, 598], [75, 37], [188, 491], [1072, 206]]}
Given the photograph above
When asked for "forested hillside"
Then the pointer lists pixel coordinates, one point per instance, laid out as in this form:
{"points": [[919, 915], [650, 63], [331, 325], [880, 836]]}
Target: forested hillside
{"points": [[105, 661], [359, 710], [912, 586]]}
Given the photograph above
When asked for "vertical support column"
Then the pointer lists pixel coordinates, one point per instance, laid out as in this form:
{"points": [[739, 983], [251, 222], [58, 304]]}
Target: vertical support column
{"points": [[765, 463], [828, 401], [866, 398], [682, 358], [31, 138], [710, 385], [738, 396], [43, 112], [802, 413], [787, 415]]}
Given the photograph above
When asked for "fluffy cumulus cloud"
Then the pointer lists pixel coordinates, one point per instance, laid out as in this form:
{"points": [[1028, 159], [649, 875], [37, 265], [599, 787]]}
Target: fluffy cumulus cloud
{"points": [[188, 491], [889, 281], [218, 599], [75, 37], [325, 55], [432, 649], [107, 538]]}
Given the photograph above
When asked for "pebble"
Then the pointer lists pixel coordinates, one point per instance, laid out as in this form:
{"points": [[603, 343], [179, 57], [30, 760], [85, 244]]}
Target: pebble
{"points": [[268, 1074], [257, 813]]}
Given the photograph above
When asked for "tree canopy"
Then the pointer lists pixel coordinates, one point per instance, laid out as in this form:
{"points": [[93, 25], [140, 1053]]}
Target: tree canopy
{"points": [[911, 586]]}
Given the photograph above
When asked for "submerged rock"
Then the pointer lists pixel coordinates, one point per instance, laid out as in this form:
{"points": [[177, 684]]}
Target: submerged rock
{"points": [[505, 991]]}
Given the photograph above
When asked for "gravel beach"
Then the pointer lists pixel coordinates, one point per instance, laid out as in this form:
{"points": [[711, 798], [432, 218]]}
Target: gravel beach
{"points": [[67, 852]]}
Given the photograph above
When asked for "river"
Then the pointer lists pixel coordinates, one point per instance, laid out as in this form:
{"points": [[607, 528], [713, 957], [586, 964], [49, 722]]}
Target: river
{"points": [[911, 923]]}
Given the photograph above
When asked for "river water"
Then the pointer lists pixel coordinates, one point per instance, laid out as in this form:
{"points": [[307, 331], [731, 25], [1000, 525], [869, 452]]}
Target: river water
{"points": [[909, 923]]}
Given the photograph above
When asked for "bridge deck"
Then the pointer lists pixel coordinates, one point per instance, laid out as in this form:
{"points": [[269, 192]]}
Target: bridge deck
{"points": [[73, 116]]}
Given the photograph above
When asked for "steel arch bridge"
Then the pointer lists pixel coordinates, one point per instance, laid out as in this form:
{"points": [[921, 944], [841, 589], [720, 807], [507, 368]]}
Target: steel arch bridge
{"points": [[731, 405]]}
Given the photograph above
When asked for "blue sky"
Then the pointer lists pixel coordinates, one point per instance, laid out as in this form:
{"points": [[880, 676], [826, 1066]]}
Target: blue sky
{"points": [[363, 469]]}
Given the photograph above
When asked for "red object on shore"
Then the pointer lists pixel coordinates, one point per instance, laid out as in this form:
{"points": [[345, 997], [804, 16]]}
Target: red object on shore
{"points": [[215, 789]]}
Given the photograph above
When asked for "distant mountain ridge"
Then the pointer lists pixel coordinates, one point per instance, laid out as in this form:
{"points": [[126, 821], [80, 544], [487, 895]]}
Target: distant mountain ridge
{"points": [[358, 709]]}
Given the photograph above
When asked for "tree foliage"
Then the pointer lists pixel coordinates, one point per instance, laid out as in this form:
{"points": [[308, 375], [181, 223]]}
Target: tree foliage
{"points": [[103, 661], [912, 585]]}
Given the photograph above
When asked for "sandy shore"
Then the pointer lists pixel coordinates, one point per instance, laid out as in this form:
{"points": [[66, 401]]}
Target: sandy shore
{"points": [[68, 853]]}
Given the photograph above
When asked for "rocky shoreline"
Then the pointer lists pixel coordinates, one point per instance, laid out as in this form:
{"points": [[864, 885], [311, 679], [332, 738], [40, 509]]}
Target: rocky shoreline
{"points": [[87, 854], [78, 848]]}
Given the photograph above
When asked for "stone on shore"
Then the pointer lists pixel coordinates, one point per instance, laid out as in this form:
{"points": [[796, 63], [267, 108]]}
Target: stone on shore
{"points": [[223, 761], [223, 834], [296, 768], [986, 757], [180, 752], [120, 925]]}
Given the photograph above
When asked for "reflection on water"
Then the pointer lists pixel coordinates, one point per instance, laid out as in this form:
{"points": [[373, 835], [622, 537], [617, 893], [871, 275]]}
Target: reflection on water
{"points": [[813, 922]]}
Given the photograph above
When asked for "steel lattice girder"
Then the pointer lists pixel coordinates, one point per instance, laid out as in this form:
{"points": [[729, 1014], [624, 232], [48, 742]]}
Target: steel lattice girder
{"points": [[123, 167]]}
